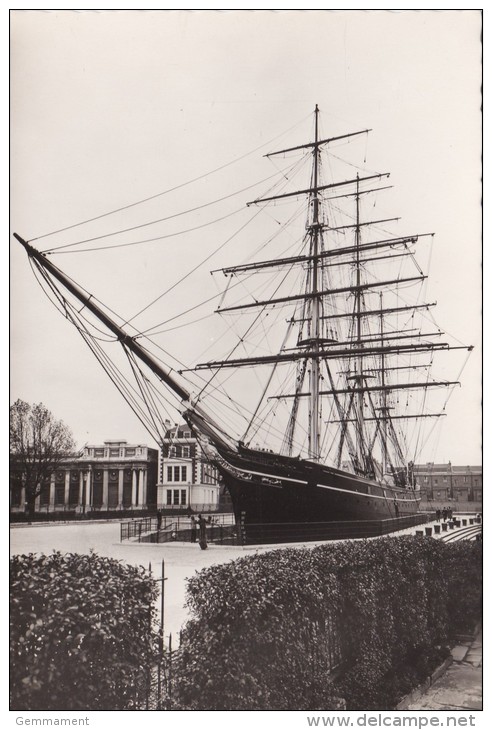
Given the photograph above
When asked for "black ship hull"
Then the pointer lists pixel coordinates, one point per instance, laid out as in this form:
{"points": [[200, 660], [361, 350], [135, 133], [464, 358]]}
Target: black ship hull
{"points": [[267, 488]]}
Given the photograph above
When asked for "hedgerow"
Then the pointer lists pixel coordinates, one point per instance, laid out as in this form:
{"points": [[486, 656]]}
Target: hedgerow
{"points": [[297, 629], [80, 632]]}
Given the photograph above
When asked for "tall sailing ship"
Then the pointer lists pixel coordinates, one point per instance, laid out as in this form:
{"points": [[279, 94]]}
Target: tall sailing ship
{"points": [[337, 392]]}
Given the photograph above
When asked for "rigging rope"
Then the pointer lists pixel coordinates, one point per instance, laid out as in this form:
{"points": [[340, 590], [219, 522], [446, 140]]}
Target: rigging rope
{"points": [[170, 190], [157, 220]]}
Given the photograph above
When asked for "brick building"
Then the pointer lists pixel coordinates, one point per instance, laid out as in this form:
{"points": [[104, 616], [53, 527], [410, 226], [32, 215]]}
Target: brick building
{"points": [[114, 476], [442, 482]]}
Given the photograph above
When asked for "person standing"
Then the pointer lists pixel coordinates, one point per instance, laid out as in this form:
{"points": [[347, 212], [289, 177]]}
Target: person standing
{"points": [[203, 532], [193, 529]]}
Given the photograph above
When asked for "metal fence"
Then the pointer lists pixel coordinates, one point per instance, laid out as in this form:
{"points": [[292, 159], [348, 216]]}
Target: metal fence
{"points": [[179, 528], [321, 638], [223, 530]]}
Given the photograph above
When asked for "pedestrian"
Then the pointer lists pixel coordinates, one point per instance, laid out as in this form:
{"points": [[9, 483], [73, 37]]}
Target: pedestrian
{"points": [[159, 519], [193, 529], [203, 532], [438, 515]]}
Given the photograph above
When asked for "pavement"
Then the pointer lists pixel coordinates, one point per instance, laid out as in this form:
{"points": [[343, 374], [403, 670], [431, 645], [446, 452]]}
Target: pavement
{"points": [[456, 685]]}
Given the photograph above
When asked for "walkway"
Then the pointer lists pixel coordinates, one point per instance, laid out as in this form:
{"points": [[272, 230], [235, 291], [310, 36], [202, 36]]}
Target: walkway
{"points": [[459, 687]]}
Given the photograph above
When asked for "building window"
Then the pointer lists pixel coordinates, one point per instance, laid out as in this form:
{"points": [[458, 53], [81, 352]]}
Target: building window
{"points": [[98, 452], [130, 452], [59, 494], [16, 496], [183, 496], [169, 473], [176, 473], [438, 494], [183, 473], [169, 496], [114, 452], [176, 496], [186, 452], [426, 479], [172, 452], [73, 494], [187, 434]]}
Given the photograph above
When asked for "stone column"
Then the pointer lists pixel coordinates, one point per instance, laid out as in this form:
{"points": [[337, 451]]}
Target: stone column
{"points": [[120, 488], [81, 491], [140, 489], [66, 497], [23, 499], [52, 492], [144, 487], [88, 489], [105, 489], [134, 488]]}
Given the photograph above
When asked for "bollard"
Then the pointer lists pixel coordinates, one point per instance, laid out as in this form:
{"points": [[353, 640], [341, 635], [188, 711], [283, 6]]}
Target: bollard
{"points": [[450, 524], [444, 527], [464, 523], [457, 523], [428, 531], [437, 529], [472, 520]]}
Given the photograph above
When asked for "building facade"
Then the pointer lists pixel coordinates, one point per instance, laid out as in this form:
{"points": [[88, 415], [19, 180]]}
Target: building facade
{"points": [[111, 477], [444, 482], [187, 481]]}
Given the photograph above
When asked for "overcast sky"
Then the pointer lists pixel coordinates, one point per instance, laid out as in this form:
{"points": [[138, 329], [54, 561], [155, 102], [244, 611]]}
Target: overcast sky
{"points": [[110, 107]]}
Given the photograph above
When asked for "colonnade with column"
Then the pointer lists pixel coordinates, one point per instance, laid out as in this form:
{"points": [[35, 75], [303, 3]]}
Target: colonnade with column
{"points": [[85, 490]]}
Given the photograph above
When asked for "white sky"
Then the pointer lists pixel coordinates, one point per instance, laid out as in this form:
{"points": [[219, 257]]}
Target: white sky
{"points": [[110, 107]]}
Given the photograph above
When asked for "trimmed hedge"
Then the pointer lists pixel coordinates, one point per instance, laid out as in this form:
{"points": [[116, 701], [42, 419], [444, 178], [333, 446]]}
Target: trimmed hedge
{"points": [[80, 632], [296, 629]]}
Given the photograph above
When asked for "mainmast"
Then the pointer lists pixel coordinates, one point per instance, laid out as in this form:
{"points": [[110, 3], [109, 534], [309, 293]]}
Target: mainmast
{"points": [[358, 313], [314, 406]]}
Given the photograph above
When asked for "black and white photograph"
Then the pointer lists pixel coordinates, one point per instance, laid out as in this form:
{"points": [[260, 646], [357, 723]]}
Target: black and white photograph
{"points": [[245, 454]]}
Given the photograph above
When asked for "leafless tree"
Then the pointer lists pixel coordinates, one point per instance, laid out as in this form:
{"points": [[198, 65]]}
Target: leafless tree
{"points": [[38, 444]]}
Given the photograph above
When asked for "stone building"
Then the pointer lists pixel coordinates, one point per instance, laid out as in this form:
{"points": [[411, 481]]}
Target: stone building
{"points": [[110, 477], [187, 480]]}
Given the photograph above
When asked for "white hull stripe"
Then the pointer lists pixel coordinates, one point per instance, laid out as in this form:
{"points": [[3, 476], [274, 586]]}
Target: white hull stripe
{"points": [[325, 486], [369, 496]]}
